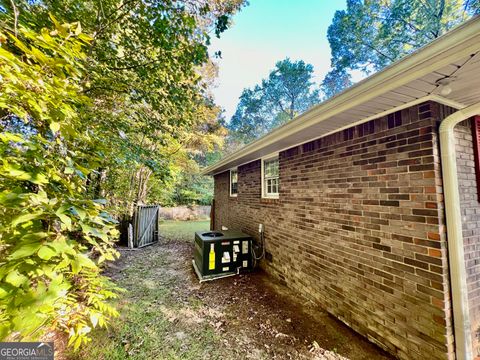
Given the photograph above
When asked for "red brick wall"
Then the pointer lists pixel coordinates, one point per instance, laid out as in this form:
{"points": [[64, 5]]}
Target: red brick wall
{"points": [[358, 227], [470, 208]]}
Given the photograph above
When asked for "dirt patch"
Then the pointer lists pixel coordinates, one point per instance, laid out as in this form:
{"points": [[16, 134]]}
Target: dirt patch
{"points": [[251, 315]]}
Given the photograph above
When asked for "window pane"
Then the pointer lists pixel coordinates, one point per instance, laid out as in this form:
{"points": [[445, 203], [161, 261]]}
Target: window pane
{"points": [[274, 186], [274, 167], [271, 173], [233, 182], [271, 168], [268, 169]]}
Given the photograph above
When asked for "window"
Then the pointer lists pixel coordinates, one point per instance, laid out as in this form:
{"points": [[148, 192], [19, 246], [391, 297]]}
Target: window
{"points": [[270, 183], [233, 182]]}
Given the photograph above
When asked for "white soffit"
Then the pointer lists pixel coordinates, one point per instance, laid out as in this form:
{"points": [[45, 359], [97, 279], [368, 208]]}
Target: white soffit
{"points": [[405, 83]]}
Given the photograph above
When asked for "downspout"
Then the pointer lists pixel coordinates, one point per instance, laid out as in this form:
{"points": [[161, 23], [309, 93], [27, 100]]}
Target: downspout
{"points": [[458, 275]]}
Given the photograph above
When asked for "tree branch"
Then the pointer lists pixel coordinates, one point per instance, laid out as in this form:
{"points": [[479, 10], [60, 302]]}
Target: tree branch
{"points": [[377, 51], [410, 25], [105, 26], [15, 16], [130, 67]]}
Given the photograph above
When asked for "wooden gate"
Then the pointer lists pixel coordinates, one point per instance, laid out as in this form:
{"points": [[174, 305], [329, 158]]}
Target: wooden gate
{"points": [[145, 225]]}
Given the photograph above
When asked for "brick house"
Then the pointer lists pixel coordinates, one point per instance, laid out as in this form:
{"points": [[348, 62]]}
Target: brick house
{"points": [[370, 201]]}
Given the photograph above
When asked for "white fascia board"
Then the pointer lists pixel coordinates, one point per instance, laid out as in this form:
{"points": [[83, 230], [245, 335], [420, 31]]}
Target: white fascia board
{"points": [[439, 99]]}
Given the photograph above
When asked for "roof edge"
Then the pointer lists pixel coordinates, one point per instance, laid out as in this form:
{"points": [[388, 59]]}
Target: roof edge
{"points": [[435, 98], [455, 44]]}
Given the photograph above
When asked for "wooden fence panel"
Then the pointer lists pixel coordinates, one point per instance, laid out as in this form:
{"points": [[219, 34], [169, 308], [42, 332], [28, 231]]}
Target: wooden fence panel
{"points": [[145, 226]]}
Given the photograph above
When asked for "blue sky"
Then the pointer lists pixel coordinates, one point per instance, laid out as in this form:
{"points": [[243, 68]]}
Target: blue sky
{"points": [[267, 31]]}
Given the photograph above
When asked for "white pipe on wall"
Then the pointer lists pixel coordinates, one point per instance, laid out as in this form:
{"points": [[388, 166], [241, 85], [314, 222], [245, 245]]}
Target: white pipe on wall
{"points": [[458, 276]]}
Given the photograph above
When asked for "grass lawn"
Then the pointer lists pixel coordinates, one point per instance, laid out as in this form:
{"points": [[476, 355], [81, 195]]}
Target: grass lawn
{"points": [[182, 230], [151, 324]]}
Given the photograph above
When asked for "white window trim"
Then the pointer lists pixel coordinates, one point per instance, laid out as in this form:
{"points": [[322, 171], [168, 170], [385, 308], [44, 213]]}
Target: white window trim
{"points": [[230, 182], [262, 179]]}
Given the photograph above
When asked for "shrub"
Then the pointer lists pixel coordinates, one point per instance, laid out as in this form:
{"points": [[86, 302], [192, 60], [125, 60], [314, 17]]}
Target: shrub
{"points": [[53, 238]]}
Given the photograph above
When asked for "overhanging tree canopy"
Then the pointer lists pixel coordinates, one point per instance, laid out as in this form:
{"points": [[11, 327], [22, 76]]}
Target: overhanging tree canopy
{"points": [[372, 34], [147, 83]]}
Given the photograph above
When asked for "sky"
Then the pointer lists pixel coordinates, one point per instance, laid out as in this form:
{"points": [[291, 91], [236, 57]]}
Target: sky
{"points": [[265, 32]]}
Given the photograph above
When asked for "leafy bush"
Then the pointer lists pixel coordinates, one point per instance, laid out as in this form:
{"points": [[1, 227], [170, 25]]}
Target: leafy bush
{"points": [[53, 238]]}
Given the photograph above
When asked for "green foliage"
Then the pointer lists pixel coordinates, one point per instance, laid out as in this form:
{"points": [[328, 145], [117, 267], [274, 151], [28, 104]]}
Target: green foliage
{"points": [[119, 115], [288, 91], [369, 35], [191, 188], [334, 82], [52, 237], [148, 75]]}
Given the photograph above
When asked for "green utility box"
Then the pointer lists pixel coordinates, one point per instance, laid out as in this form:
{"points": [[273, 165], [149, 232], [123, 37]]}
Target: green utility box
{"points": [[221, 253]]}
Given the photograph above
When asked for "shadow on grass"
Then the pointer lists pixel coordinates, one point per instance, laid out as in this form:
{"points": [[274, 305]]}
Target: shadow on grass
{"points": [[158, 318]]}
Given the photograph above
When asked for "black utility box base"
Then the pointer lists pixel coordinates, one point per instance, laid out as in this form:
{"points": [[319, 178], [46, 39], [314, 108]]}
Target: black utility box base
{"points": [[210, 277]]}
